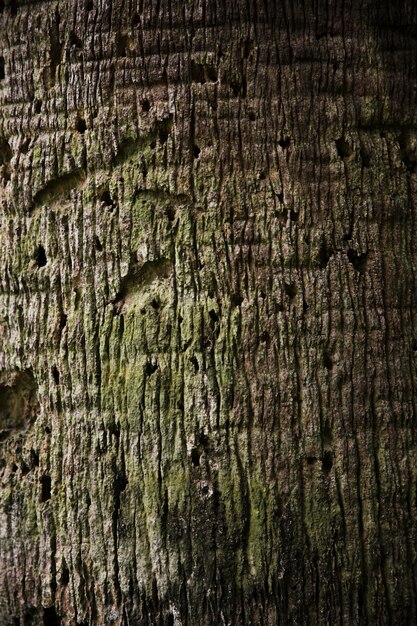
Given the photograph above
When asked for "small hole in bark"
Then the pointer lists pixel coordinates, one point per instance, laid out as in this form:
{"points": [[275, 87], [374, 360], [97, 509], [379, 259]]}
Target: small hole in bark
{"points": [[213, 315], [170, 620], [195, 364], [65, 575], [324, 256], [5, 151], [280, 197], [196, 152], [366, 159], [236, 299], [264, 337], [135, 20], [151, 368], [164, 128], [55, 374], [24, 468], [327, 462], [327, 361], [170, 213], [50, 617], [239, 87], [146, 105], [62, 321], [106, 199], [122, 483], [98, 244], [40, 256], [344, 150], [14, 467], [359, 261], [45, 488], [34, 458], [2, 69], [37, 105], [290, 290], [195, 456], [47, 430], [284, 143], [13, 7], [251, 116], [75, 41], [197, 73], [155, 304], [311, 460], [89, 6], [81, 125]]}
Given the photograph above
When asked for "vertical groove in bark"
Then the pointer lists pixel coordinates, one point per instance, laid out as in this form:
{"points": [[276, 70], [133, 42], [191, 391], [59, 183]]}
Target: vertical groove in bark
{"points": [[207, 313]]}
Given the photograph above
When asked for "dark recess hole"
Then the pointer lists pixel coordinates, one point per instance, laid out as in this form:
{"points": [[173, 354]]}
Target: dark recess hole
{"points": [[236, 299], [65, 575], [62, 321], [146, 105], [1, 6], [239, 87], [327, 361], [280, 197], [55, 374], [264, 337], [89, 6], [194, 361], [344, 150], [47, 430], [16, 620], [81, 125], [37, 105], [106, 199], [14, 467], [195, 456], [324, 256], [359, 261], [13, 7], [2, 69], [155, 304], [40, 256], [290, 290], [135, 20], [170, 619], [5, 151], [164, 128], [98, 245], [196, 152], [122, 483], [213, 315], [50, 617], [75, 41], [170, 213], [327, 462], [366, 159], [24, 468], [34, 458], [45, 488], [252, 116], [284, 143], [197, 73], [151, 368], [311, 460]]}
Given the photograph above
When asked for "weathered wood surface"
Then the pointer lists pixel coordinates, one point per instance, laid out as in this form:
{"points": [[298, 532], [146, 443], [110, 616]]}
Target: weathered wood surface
{"points": [[208, 312]]}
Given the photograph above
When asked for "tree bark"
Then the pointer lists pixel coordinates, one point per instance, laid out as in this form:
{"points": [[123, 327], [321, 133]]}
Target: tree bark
{"points": [[208, 312]]}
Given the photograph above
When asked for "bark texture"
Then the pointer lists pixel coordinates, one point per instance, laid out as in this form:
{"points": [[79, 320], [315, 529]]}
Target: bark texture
{"points": [[208, 312]]}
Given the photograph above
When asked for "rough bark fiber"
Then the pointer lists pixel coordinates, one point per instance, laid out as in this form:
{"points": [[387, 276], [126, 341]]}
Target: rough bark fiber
{"points": [[208, 312]]}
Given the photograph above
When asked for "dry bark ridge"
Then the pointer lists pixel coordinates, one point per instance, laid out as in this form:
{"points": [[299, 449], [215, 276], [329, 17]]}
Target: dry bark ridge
{"points": [[208, 312]]}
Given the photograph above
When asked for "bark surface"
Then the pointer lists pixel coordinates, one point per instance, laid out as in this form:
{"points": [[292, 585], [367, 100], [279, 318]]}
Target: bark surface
{"points": [[208, 312]]}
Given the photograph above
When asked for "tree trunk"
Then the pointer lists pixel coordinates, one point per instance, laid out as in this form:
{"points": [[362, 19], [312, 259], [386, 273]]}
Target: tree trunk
{"points": [[208, 312]]}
